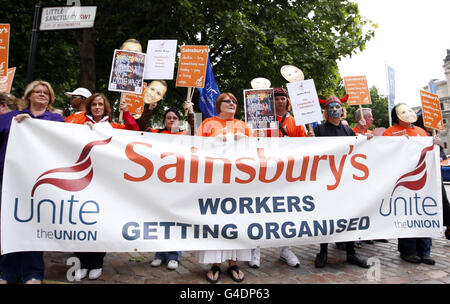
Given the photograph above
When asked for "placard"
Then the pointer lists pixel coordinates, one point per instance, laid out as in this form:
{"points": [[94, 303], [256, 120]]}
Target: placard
{"points": [[358, 90], [135, 102], [6, 81], [160, 59], [431, 110], [4, 48], [259, 106], [127, 72], [192, 66], [305, 102]]}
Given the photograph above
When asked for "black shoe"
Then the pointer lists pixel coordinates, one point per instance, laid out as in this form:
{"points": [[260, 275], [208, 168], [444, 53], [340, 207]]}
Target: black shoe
{"points": [[321, 260], [411, 259], [447, 233], [427, 260], [357, 260], [368, 242]]}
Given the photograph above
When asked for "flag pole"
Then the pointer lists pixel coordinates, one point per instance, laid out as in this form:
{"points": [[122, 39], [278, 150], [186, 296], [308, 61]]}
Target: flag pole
{"points": [[388, 93]]}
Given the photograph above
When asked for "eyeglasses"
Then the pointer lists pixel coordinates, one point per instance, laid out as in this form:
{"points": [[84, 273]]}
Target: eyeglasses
{"points": [[41, 92], [229, 101]]}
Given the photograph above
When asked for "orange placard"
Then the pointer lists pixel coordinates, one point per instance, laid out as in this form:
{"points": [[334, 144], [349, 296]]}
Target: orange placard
{"points": [[431, 110], [6, 81], [4, 47], [357, 90], [192, 66], [135, 102]]}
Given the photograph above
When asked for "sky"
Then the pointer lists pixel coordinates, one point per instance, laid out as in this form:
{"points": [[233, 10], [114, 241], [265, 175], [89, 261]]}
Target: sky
{"points": [[412, 37]]}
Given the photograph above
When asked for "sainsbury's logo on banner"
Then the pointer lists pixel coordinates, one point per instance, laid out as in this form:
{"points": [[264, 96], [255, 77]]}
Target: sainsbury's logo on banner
{"points": [[415, 205]]}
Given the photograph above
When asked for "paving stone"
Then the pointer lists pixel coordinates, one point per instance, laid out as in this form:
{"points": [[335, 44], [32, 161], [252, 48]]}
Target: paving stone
{"points": [[119, 268]]}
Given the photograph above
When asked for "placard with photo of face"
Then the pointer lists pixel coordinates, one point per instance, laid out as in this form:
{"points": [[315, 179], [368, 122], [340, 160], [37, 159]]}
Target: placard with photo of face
{"points": [[259, 106]]}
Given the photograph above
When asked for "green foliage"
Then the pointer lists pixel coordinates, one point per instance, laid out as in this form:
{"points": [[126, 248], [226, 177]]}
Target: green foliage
{"points": [[247, 39]]}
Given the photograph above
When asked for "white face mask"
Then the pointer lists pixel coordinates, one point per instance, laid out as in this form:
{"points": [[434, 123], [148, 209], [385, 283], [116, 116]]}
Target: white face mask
{"points": [[406, 114]]}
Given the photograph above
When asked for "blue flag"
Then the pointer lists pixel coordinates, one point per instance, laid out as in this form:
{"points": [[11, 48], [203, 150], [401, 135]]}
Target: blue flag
{"points": [[432, 87], [208, 94], [391, 86]]}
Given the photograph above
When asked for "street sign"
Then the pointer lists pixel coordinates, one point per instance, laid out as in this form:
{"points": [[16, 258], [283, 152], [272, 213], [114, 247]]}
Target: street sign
{"points": [[68, 17]]}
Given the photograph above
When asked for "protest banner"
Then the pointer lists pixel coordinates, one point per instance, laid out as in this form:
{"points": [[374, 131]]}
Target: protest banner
{"points": [[431, 110], [127, 72], [305, 102], [259, 107], [166, 193], [160, 59], [6, 81], [135, 102], [4, 48], [192, 68]]}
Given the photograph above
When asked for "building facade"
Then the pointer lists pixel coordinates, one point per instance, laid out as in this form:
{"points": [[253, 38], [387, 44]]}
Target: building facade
{"points": [[443, 91]]}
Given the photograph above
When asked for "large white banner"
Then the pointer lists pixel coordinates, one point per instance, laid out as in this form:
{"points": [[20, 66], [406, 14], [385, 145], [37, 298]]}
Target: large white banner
{"points": [[69, 188]]}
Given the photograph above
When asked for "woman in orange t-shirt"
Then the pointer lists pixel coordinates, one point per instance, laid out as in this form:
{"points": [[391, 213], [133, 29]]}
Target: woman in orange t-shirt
{"points": [[98, 109], [412, 250], [223, 125]]}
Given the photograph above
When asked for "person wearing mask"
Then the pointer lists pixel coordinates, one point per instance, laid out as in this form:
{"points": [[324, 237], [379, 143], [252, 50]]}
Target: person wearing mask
{"points": [[412, 250], [333, 112]]}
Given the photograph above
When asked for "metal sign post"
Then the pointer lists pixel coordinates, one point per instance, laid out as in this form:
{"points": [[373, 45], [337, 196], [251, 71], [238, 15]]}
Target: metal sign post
{"points": [[33, 44]]}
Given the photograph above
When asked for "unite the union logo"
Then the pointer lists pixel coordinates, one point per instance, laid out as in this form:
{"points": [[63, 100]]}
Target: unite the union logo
{"points": [[64, 181]]}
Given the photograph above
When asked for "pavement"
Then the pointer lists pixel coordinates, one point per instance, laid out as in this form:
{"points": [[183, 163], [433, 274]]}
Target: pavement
{"points": [[387, 268]]}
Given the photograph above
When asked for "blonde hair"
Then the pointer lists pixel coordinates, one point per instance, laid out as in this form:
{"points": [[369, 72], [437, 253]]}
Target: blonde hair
{"points": [[29, 89], [12, 102]]}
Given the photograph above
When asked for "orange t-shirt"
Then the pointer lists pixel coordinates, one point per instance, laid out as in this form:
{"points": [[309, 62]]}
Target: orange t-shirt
{"points": [[215, 126], [398, 130], [81, 118], [356, 130], [77, 118], [289, 126]]}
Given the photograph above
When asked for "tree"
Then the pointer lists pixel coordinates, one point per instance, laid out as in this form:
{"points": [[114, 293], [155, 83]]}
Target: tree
{"points": [[247, 39]]}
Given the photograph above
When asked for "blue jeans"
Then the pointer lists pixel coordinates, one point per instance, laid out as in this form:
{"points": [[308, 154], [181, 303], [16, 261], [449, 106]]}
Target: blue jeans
{"points": [[167, 256], [415, 246], [25, 265]]}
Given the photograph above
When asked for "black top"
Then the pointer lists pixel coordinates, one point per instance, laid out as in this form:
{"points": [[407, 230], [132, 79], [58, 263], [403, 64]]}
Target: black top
{"points": [[328, 129]]}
